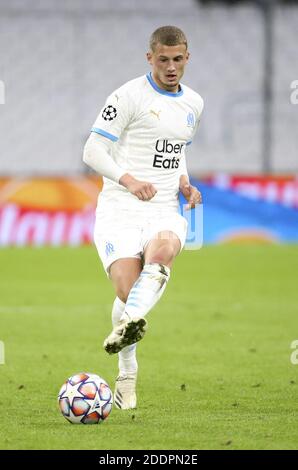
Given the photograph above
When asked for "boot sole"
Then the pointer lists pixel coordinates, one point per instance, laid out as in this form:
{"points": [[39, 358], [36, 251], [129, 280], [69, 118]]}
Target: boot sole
{"points": [[133, 332]]}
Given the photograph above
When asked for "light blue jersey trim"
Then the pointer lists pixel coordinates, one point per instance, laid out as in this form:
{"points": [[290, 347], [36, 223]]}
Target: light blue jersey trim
{"points": [[188, 143], [105, 134], [160, 90]]}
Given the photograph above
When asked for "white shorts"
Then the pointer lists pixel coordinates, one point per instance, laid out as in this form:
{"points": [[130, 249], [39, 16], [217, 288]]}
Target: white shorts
{"points": [[126, 234]]}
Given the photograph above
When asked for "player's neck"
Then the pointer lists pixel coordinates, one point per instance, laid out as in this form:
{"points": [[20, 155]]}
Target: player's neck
{"points": [[164, 87]]}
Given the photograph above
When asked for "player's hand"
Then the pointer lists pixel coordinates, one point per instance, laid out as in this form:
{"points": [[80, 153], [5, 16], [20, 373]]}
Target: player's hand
{"points": [[141, 189], [191, 194]]}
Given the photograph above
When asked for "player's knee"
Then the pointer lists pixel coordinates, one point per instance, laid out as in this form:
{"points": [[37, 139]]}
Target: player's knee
{"points": [[163, 255]]}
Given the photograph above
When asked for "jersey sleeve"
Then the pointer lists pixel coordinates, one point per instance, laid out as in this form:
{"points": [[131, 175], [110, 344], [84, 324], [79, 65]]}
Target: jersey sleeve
{"points": [[182, 167], [114, 117], [198, 114]]}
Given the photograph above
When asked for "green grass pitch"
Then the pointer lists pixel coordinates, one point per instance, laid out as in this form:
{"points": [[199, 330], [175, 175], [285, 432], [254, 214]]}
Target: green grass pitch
{"points": [[214, 367]]}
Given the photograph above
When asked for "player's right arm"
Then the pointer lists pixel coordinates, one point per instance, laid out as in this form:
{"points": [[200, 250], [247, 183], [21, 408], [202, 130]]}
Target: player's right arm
{"points": [[97, 156], [108, 127], [142, 189]]}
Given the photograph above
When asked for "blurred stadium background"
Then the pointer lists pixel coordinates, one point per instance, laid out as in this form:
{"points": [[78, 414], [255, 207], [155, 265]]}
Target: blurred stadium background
{"points": [[60, 60], [234, 378]]}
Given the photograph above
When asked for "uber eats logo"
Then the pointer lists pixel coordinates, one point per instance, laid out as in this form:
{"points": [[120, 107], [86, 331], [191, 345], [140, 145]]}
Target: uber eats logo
{"points": [[168, 155]]}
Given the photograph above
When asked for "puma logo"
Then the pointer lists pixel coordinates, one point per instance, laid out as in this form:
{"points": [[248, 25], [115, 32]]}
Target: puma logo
{"points": [[117, 97], [155, 113]]}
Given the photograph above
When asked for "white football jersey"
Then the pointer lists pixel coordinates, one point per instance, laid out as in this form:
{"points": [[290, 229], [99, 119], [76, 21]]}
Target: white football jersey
{"points": [[150, 128]]}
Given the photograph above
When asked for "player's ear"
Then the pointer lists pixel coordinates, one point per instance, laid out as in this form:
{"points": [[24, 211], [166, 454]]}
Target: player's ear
{"points": [[149, 57], [187, 56]]}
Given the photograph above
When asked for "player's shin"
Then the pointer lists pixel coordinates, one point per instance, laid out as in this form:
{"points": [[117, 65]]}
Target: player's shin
{"points": [[128, 361], [127, 357], [142, 297], [147, 290]]}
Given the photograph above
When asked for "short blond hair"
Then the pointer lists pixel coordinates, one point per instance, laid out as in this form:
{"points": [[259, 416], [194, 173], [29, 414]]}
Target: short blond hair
{"points": [[167, 36]]}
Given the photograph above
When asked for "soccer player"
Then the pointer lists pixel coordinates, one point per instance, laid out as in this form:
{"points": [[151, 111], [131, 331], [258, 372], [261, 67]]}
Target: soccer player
{"points": [[138, 144]]}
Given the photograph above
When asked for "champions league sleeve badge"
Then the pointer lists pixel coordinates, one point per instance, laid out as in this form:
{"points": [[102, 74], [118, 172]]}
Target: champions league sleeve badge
{"points": [[109, 113]]}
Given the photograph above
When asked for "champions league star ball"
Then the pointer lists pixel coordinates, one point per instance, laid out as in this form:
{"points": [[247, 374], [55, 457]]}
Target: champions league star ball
{"points": [[109, 113], [85, 398]]}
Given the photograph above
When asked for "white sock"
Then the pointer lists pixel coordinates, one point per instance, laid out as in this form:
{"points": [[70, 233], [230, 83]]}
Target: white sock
{"points": [[147, 290], [117, 310], [127, 359]]}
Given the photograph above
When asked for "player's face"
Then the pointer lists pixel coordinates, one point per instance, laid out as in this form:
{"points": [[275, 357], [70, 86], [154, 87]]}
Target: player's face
{"points": [[168, 64]]}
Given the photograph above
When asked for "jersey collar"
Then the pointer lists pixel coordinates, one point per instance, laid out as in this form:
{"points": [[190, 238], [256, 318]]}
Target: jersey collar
{"points": [[161, 90]]}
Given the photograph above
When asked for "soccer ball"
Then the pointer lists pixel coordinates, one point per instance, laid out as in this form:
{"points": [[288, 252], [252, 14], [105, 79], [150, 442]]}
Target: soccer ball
{"points": [[85, 398]]}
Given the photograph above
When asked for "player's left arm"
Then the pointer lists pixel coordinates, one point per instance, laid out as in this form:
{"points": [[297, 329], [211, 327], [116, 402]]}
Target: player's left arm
{"points": [[190, 192]]}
